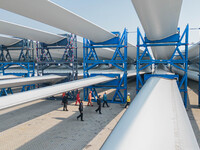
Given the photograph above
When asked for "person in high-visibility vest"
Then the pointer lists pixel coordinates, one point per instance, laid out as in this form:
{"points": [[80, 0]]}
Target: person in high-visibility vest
{"points": [[90, 99], [128, 100], [78, 98]]}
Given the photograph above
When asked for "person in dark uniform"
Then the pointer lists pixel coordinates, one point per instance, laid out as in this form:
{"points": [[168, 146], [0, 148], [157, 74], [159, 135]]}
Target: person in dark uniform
{"points": [[65, 101], [81, 111], [99, 103], [105, 99]]}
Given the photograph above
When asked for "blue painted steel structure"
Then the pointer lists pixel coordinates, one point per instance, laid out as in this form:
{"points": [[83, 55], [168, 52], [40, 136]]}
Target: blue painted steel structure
{"points": [[25, 59], [29, 68], [25, 62], [179, 58], [68, 60], [24, 46], [119, 60]]}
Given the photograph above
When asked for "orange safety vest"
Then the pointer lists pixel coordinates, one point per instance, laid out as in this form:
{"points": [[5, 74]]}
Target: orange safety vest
{"points": [[89, 96], [63, 94]]}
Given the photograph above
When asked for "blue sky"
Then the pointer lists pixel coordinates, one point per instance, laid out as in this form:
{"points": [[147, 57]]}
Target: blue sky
{"points": [[113, 15]]}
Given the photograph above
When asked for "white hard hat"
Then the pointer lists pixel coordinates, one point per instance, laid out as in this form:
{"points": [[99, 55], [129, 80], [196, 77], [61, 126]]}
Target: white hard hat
{"points": [[128, 93]]}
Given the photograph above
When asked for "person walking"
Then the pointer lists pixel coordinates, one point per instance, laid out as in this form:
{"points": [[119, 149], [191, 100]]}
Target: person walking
{"points": [[65, 101], [78, 98], [81, 110], [105, 99], [99, 103], [90, 99], [128, 100]]}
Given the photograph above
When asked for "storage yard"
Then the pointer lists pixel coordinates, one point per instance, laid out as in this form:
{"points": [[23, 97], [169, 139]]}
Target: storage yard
{"points": [[62, 61]]}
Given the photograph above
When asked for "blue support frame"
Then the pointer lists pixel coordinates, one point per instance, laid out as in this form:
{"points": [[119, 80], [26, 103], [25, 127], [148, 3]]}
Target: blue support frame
{"points": [[119, 60], [29, 68], [5, 91], [25, 61], [69, 60], [181, 63]]}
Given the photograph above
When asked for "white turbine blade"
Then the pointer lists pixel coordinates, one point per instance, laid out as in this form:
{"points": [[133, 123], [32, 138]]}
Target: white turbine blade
{"points": [[20, 98], [62, 19], [50, 13], [159, 19], [193, 53], [8, 77], [46, 37], [28, 33], [155, 120], [30, 80], [193, 75], [7, 41]]}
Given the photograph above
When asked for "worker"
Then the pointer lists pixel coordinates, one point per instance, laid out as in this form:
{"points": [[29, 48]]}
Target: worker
{"points": [[70, 54], [81, 110], [78, 98], [99, 103], [105, 99], [90, 99], [128, 100], [65, 101]]}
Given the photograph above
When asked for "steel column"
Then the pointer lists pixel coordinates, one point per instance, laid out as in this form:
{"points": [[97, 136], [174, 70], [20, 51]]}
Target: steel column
{"points": [[69, 59], [119, 60], [179, 59]]}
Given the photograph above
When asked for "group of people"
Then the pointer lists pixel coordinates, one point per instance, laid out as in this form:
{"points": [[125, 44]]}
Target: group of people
{"points": [[78, 100], [66, 96]]}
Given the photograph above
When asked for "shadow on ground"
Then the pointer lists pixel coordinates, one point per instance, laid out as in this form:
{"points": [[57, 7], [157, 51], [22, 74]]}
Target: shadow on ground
{"points": [[21, 115], [73, 134], [193, 85]]}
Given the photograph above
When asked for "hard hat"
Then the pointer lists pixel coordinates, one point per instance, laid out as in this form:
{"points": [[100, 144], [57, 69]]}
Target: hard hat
{"points": [[128, 93]]}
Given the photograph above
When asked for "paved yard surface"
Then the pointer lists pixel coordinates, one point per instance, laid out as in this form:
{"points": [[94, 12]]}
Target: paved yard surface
{"points": [[43, 125]]}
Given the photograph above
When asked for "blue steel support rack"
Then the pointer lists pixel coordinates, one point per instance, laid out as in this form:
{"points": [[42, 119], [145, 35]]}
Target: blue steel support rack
{"points": [[119, 60], [145, 60], [26, 51], [24, 61], [68, 59]]}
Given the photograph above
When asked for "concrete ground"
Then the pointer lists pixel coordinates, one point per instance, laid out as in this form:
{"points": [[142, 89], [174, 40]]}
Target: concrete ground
{"points": [[193, 110], [43, 125]]}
